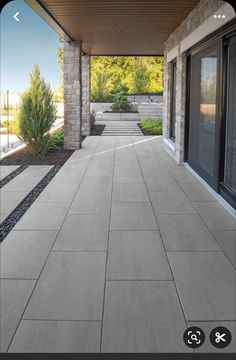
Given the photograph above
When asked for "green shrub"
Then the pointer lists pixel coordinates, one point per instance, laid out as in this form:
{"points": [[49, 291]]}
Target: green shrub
{"points": [[36, 114], [153, 127], [120, 103], [56, 140], [100, 83]]}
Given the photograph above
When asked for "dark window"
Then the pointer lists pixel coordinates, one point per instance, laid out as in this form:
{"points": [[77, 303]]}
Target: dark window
{"points": [[173, 100]]}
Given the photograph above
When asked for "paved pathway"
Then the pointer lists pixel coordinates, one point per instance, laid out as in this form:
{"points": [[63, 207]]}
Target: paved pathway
{"points": [[120, 253]]}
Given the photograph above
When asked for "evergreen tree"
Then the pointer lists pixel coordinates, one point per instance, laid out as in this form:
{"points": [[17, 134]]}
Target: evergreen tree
{"points": [[36, 113]]}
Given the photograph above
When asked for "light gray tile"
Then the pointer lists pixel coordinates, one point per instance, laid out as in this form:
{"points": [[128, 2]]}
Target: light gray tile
{"points": [[227, 241], [132, 216], [5, 170], [14, 297], [171, 203], [83, 232], [96, 183], [23, 253], [206, 284], [91, 202], [100, 166], [56, 337], [137, 255], [55, 191], [184, 176], [70, 175], [161, 182], [207, 327], [43, 216], [10, 199], [215, 216], [141, 316], [197, 192], [129, 192], [70, 287], [26, 180], [185, 232]]}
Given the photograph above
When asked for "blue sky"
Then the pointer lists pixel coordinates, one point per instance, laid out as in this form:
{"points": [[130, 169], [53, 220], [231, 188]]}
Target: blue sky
{"points": [[26, 43]]}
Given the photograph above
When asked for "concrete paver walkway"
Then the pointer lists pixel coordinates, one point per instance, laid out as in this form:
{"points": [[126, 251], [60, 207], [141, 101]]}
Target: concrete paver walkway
{"points": [[120, 253]]}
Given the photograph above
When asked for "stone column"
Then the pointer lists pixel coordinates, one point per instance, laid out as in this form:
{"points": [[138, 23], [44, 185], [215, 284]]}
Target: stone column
{"points": [[180, 107], [86, 95], [72, 95]]}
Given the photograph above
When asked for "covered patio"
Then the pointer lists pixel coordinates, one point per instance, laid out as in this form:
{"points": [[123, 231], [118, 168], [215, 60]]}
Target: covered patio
{"points": [[121, 252]]}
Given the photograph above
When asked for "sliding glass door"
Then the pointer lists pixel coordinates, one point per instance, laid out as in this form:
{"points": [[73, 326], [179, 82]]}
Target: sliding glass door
{"points": [[204, 112], [211, 149]]}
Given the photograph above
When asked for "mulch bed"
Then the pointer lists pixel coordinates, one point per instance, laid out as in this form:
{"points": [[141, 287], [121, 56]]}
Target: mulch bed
{"points": [[24, 157], [97, 130]]}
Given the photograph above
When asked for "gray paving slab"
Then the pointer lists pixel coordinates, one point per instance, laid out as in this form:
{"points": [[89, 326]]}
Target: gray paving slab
{"points": [[207, 327], [96, 183], [206, 285], [142, 316], [23, 253], [171, 203], [197, 192], [132, 216], [215, 216], [184, 176], [35, 336], [227, 241], [129, 192], [43, 216], [99, 166], [128, 176], [186, 232], [91, 202], [83, 232], [10, 199], [137, 255], [161, 182], [70, 175], [6, 170], [26, 180], [14, 297], [56, 191], [71, 287]]}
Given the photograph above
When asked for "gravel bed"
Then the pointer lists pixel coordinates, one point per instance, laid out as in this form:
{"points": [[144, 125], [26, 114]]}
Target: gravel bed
{"points": [[7, 225]]}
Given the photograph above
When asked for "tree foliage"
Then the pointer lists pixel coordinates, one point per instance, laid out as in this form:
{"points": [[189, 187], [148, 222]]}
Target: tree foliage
{"points": [[36, 113], [123, 68], [140, 76]]}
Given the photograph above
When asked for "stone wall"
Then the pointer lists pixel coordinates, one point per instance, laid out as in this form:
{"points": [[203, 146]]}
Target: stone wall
{"points": [[86, 95], [195, 26], [72, 95]]}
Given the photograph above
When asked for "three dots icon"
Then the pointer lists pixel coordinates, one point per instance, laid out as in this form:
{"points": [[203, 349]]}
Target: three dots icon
{"points": [[219, 16]]}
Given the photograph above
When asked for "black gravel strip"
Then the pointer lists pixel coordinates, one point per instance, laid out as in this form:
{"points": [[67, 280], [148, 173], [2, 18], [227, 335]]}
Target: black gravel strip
{"points": [[12, 219], [12, 175]]}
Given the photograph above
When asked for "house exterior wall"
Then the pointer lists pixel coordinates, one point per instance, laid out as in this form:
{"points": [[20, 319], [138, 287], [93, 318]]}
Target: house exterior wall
{"points": [[72, 95], [85, 94], [198, 24]]}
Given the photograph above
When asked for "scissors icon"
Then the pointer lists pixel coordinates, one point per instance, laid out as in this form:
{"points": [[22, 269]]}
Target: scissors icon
{"points": [[219, 337]]}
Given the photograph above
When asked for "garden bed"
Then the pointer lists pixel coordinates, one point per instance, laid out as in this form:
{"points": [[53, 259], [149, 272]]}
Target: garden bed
{"points": [[24, 157], [150, 127]]}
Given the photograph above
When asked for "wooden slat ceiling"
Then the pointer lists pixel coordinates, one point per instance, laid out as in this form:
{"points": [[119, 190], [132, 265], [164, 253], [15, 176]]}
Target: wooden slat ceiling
{"points": [[120, 27]]}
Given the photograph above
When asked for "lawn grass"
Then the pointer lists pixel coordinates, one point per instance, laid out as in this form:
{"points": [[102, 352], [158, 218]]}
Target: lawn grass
{"points": [[151, 126]]}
